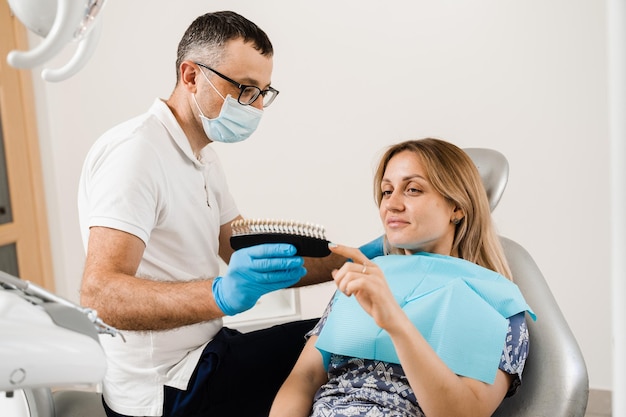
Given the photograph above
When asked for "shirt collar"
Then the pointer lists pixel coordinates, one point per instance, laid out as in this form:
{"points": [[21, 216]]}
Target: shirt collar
{"points": [[163, 113]]}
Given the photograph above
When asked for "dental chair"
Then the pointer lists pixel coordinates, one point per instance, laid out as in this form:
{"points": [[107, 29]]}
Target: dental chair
{"points": [[555, 381]]}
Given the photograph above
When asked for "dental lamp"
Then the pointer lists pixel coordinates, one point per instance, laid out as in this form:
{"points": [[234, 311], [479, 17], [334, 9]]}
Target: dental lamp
{"points": [[59, 22]]}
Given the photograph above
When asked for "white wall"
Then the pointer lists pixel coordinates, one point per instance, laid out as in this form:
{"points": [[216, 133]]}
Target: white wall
{"points": [[527, 78]]}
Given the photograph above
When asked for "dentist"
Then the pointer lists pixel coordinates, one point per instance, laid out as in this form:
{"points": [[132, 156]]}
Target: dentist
{"points": [[155, 214]]}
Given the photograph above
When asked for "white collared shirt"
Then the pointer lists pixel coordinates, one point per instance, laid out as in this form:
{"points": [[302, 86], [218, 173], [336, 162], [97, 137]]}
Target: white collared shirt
{"points": [[142, 177]]}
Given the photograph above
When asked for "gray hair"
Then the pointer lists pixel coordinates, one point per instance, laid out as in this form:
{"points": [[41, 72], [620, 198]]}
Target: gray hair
{"points": [[205, 38]]}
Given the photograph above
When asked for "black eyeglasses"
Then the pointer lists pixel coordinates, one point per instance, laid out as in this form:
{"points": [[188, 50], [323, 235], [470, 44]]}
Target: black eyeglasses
{"points": [[247, 93]]}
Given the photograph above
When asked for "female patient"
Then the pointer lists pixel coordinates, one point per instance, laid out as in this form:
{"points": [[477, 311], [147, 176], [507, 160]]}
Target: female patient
{"points": [[439, 333]]}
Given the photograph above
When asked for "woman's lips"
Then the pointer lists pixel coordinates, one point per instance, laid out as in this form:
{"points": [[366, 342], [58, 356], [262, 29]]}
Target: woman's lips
{"points": [[395, 222]]}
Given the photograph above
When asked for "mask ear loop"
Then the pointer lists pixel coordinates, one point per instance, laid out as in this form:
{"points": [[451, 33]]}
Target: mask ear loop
{"points": [[193, 96], [212, 86]]}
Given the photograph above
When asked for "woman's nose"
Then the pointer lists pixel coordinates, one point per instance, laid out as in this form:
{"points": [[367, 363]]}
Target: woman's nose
{"points": [[395, 201]]}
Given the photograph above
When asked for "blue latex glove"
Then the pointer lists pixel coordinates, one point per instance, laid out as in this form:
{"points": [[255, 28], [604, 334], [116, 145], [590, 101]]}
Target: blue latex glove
{"points": [[255, 271], [373, 248]]}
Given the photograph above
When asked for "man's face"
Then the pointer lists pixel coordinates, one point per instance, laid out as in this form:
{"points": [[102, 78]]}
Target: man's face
{"points": [[243, 64]]}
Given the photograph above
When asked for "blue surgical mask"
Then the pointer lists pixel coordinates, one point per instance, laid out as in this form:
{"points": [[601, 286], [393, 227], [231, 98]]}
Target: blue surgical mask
{"points": [[235, 122]]}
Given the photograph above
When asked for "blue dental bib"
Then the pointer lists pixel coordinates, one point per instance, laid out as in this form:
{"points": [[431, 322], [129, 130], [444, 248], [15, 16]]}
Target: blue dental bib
{"points": [[460, 308]]}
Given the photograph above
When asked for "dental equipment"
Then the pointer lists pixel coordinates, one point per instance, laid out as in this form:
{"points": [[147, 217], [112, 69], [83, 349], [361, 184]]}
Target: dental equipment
{"points": [[47, 341], [59, 22]]}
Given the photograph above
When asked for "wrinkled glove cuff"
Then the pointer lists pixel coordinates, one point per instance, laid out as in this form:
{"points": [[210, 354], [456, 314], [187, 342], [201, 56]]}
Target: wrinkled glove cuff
{"points": [[219, 299]]}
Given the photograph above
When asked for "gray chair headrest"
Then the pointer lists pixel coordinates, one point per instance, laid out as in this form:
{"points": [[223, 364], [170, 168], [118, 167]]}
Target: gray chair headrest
{"points": [[493, 168]]}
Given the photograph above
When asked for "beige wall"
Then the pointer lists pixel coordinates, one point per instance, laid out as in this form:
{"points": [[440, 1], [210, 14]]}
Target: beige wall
{"points": [[527, 78]]}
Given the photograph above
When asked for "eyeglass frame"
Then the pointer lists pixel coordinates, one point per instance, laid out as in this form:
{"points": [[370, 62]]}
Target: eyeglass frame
{"points": [[243, 87]]}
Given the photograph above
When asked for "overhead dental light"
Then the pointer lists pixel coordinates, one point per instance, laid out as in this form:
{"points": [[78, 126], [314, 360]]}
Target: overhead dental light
{"points": [[59, 22]]}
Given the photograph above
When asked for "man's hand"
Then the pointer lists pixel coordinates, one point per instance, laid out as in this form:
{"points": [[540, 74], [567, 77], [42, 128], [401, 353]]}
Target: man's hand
{"points": [[255, 271]]}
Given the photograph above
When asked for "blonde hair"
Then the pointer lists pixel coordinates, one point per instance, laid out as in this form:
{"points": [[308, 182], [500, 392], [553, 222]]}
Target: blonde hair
{"points": [[453, 174]]}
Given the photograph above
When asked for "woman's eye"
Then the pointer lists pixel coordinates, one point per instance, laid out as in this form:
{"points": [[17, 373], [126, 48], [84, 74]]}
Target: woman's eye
{"points": [[386, 193], [413, 191]]}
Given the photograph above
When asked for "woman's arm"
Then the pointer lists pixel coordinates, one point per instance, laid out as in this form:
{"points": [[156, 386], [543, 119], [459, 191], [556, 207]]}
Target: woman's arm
{"points": [[439, 391], [295, 397]]}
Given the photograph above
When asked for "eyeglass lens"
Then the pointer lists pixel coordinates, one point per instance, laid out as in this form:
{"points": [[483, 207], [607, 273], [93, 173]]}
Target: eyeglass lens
{"points": [[250, 93]]}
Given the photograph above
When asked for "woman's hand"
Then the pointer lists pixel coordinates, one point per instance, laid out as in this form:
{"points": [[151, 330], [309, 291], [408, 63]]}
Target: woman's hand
{"points": [[365, 281]]}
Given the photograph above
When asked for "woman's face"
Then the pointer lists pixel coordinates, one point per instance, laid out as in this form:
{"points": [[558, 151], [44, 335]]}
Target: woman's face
{"points": [[415, 216]]}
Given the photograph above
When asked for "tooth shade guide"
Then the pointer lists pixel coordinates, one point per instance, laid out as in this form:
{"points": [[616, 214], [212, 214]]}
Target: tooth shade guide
{"points": [[309, 239]]}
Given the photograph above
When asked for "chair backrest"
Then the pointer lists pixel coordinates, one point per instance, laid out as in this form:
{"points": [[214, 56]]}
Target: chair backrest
{"points": [[555, 381], [493, 168]]}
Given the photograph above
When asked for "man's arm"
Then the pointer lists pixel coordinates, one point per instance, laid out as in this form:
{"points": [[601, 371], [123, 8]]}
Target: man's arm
{"points": [[226, 231], [319, 269], [127, 302]]}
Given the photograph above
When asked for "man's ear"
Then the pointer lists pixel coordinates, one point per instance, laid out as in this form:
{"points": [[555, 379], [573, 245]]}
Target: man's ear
{"points": [[188, 74]]}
